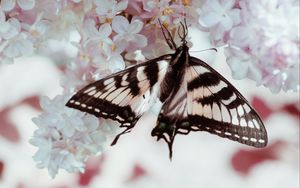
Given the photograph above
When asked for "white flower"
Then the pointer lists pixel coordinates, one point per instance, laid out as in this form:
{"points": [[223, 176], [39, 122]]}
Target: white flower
{"points": [[95, 35], [108, 59], [127, 37], [110, 8], [66, 137], [13, 42], [219, 16], [8, 5]]}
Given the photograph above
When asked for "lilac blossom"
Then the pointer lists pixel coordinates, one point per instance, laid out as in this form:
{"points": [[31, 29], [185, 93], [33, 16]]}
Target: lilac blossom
{"points": [[262, 39], [127, 37]]}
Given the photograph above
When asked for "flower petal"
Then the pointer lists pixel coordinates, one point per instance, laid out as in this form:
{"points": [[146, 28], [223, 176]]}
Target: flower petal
{"points": [[135, 26], [122, 5], [120, 24], [26, 4], [8, 5], [105, 30]]}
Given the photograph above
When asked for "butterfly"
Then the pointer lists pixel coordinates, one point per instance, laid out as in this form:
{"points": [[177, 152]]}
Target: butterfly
{"points": [[193, 95]]}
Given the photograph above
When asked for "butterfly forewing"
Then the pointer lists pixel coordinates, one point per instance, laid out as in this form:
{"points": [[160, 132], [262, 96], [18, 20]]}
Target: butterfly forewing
{"points": [[123, 96], [217, 107]]}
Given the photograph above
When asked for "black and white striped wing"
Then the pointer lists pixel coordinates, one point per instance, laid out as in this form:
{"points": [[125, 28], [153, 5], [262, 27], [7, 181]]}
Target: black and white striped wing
{"points": [[123, 96], [214, 105]]}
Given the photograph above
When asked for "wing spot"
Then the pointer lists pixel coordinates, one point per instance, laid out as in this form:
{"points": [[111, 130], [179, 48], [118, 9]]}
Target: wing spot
{"points": [[261, 141], [227, 133], [77, 103], [83, 105], [90, 107], [245, 138], [237, 136], [97, 110], [217, 131], [72, 101], [253, 139]]}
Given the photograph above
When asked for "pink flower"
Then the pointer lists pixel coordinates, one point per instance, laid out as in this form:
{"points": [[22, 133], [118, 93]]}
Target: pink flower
{"points": [[127, 37]]}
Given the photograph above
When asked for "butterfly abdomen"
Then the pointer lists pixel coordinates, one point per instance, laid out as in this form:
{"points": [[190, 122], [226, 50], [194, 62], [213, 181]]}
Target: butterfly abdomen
{"points": [[174, 76]]}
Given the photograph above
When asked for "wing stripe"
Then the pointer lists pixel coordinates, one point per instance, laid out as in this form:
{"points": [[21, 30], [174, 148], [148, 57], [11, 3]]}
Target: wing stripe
{"points": [[203, 80], [133, 82], [151, 72]]}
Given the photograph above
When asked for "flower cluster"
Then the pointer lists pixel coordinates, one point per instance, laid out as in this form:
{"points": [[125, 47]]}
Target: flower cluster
{"points": [[262, 39], [66, 137]]}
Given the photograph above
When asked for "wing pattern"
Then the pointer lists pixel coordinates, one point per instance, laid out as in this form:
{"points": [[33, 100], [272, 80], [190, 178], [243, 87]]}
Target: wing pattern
{"points": [[217, 107], [206, 101], [123, 96]]}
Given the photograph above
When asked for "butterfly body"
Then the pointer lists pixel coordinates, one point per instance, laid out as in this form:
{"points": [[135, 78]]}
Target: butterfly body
{"points": [[194, 97]]}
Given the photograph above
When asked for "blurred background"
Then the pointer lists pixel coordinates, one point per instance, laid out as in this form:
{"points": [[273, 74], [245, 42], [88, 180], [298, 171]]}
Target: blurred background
{"points": [[138, 160]]}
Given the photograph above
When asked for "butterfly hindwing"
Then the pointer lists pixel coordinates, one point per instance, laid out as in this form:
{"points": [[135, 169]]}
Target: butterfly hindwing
{"points": [[217, 107], [123, 96]]}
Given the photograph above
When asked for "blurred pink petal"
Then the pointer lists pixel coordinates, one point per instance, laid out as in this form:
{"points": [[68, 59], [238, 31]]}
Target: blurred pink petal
{"points": [[244, 160], [261, 107], [33, 101], [137, 172], [293, 109], [1, 169], [7, 129], [93, 168]]}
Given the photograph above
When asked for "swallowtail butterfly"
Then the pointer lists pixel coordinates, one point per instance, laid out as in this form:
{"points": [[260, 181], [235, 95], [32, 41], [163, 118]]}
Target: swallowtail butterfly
{"points": [[194, 97]]}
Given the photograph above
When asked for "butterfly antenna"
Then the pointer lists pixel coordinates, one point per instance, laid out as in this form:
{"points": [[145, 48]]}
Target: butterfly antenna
{"points": [[167, 35]]}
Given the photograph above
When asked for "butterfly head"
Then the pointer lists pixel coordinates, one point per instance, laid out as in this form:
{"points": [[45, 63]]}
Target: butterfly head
{"points": [[182, 32]]}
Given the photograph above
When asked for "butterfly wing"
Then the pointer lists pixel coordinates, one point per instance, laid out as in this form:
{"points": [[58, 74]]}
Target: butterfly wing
{"points": [[206, 101], [123, 96], [217, 107]]}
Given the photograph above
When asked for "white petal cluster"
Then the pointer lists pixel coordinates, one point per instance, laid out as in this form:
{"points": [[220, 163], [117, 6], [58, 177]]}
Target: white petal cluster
{"points": [[13, 41], [66, 137], [262, 39]]}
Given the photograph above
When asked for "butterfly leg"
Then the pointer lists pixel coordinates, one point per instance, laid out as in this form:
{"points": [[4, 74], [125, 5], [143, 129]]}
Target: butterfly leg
{"points": [[127, 130], [166, 130]]}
